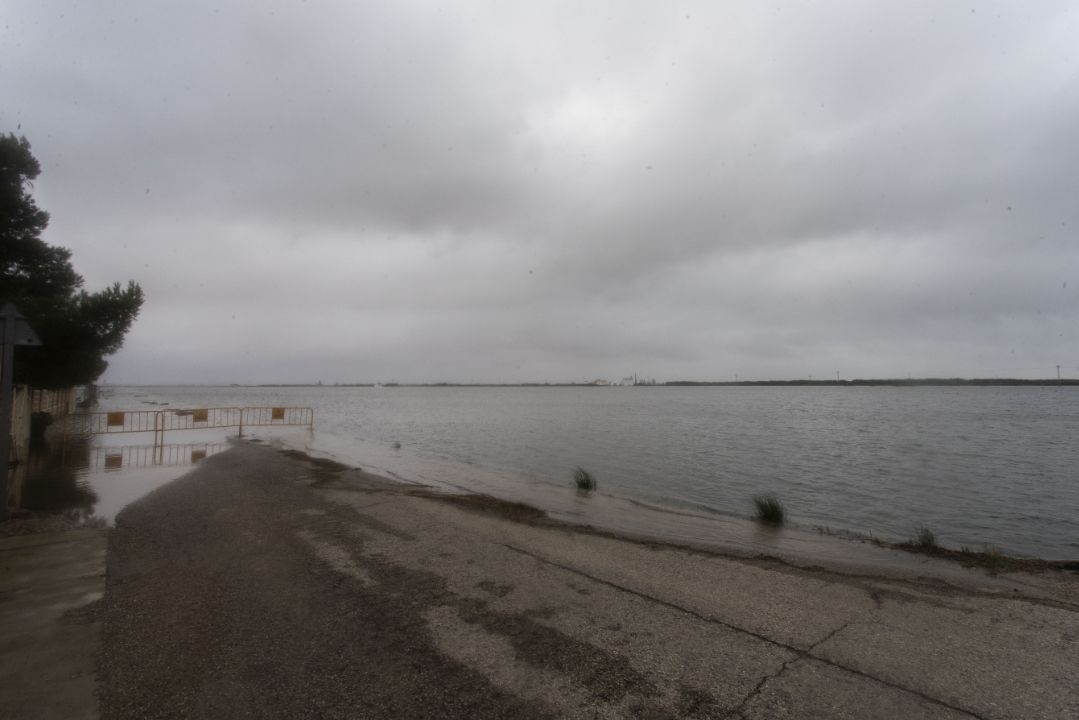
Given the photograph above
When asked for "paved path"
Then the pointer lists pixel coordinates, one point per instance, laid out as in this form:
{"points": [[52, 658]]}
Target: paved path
{"points": [[268, 586]]}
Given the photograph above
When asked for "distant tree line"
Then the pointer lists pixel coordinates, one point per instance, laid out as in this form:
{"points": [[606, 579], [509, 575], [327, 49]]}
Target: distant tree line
{"points": [[886, 382]]}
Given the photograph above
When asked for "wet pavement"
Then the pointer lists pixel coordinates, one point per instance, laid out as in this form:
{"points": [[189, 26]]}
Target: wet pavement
{"points": [[52, 564], [269, 585], [624, 517], [50, 625]]}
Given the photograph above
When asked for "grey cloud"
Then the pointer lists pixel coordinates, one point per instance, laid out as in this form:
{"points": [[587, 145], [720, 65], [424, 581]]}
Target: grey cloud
{"points": [[492, 192]]}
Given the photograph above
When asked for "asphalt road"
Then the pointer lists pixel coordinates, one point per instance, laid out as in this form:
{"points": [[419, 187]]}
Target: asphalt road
{"points": [[271, 586]]}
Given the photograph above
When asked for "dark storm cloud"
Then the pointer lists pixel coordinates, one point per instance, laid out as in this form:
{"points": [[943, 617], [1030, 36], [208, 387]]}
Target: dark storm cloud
{"points": [[475, 191]]}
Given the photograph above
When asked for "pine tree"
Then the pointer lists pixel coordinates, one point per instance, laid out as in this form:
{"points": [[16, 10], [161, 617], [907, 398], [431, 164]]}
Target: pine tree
{"points": [[78, 329]]}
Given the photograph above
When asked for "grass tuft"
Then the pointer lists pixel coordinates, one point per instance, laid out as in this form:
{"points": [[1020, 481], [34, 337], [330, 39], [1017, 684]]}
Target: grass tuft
{"points": [[924, 539], [584, 479], [990, 557], [769, 509]]}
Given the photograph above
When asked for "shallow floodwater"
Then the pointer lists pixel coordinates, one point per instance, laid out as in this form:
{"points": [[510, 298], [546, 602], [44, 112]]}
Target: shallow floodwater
{"points": [[977, 465], [90, 480]]}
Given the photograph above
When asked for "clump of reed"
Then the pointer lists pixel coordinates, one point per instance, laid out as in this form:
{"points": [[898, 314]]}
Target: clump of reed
{"points": [[924, 539], [584, 479], [769, 510]]}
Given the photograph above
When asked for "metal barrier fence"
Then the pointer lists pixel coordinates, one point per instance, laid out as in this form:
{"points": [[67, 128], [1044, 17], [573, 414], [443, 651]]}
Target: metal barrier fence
{"points": [[159, 421]]}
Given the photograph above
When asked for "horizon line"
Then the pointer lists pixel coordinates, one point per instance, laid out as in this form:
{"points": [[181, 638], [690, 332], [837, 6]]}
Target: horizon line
{"points": [[923, 381]]}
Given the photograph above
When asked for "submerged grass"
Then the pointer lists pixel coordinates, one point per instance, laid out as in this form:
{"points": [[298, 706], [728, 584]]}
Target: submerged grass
{"points": [[923, 541], [584, 479], [990, 557], [924, 538], [769, 509]]}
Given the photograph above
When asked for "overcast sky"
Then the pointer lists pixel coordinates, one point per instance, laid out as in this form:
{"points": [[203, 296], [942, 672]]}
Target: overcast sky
{"points": [[359, 191]]}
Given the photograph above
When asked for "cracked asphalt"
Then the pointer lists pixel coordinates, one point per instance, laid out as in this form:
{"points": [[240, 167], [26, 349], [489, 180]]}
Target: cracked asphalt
{"points": [[268, 585]]}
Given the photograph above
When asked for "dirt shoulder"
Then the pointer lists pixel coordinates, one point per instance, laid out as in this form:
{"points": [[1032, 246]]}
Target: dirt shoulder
{"points": [[266, 585]]}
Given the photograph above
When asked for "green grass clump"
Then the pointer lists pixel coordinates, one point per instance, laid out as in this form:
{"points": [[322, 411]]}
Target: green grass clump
{"points": [[584, 479], [769, 509]]}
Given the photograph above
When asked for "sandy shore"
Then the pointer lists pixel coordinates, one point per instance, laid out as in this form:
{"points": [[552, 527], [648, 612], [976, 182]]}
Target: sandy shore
{"points": [[270, 585]]}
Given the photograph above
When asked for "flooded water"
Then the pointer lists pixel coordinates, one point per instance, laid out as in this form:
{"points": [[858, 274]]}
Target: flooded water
{"points": [[90, 480], [977, 465]]}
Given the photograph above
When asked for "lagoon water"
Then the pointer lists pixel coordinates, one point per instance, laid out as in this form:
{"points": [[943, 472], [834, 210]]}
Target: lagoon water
{"points": [[977, 465]]}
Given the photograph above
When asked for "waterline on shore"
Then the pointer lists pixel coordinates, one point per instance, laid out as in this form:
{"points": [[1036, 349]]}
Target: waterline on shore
{"points": [[632, 518]]}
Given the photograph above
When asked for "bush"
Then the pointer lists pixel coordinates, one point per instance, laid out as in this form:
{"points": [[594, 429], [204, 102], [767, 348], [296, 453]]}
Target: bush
{"points": [[584, 479], [924, 539], [769, 509]]}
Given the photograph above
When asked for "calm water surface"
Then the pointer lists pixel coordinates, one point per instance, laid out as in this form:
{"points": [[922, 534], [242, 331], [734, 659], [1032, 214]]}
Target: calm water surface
{"points": [[977, 465]]}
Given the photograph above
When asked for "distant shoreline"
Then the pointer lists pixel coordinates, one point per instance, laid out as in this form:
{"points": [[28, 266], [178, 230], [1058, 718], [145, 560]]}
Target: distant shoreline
{"points": [[917, 382], [873, 382]]}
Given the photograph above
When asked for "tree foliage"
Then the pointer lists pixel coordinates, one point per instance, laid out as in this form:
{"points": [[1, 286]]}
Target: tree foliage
{"points": [[78, 329]]}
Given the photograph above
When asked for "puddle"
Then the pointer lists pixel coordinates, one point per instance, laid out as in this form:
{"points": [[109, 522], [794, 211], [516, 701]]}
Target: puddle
{"points": [[89, 480]]}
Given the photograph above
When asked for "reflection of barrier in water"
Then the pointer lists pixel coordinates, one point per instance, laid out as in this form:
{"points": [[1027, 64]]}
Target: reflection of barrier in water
{"points": [[52, 481], [141, 456], [160, 421], [89, 482]]}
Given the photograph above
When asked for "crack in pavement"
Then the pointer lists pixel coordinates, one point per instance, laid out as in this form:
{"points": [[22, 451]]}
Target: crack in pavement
{"points": [[829, 636], [737, 712], [801, 654], [375, 504]]}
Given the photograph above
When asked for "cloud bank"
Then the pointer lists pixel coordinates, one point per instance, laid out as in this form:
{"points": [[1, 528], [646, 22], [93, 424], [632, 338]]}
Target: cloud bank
{"points": [[357, 192]]}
